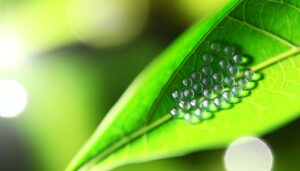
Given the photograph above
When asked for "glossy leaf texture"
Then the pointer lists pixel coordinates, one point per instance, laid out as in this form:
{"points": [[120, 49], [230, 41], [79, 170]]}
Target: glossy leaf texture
{"points": [[139, 127]]}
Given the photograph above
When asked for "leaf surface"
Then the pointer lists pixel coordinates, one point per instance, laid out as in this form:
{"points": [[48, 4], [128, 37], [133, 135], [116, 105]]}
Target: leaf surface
{"points": [[139, 127]]}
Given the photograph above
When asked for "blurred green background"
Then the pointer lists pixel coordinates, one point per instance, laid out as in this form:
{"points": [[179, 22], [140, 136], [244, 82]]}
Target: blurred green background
{"points": [[75, 59]]}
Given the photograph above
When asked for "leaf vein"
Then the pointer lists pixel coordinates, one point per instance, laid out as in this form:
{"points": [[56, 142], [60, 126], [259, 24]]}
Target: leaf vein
{"points": [[258, 29]]}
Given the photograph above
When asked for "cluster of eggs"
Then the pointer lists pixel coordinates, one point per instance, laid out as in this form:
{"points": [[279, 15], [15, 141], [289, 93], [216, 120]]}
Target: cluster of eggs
{"points": [[220, 81]]}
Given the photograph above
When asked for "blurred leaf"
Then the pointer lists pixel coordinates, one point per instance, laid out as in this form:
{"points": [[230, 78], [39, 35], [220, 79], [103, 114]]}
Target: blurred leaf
{"points": [[35, 24], [62, 100], [139, 127]]}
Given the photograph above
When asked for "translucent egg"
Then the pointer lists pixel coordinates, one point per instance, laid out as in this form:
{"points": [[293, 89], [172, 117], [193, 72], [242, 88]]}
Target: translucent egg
{"points": [[177, 113], [184, 105], [224, 64], [196, 76], [215, 47], [207, 58], [177, 95], [188, 82], [188, 93], [218, 77], [198, 88], [207, 82], [207, 70]]}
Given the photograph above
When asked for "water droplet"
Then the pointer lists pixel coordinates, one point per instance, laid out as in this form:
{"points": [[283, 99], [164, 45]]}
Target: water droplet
{"points": [[248, 74], [237, 59], [207, 58], [188, 82], [233, 70], [229, 97], [229, 81], [221, 103], [177, 113], [196, 76], [251, 76], [188, 93], [218, 89], [237, 91], [208, 93], [209, 105], [245, 84], [242, 82], [197, 112], [229, 50], [207, 82], [207, 70], [218, 77], [192, 119], [184, 105], [224, 64], [195, 103], [198, 88], [177, 95], [215, 47]]}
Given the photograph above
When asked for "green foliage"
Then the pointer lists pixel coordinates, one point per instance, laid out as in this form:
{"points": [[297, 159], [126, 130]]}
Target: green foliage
{"points": [[139, 127]]}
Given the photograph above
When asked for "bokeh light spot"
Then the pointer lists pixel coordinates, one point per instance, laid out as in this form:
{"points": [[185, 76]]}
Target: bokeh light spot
{"points": [[10, 50], [102, 23], [13, 98], [248, 154]]}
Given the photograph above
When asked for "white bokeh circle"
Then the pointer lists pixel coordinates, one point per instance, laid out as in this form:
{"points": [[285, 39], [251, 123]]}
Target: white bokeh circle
{"points": [[248, 154], [13, 98]]}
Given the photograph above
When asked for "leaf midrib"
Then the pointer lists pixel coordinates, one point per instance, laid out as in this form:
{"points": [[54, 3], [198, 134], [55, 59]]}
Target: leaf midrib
{"points": [[294, 50]]}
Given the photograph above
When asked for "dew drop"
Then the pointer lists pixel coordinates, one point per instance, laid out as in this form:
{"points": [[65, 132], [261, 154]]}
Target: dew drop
{"points": [[184, 105], [208, 93], [215, 47], [198, 88], [192, 119], [197, 112], [245, 84], [233, 70], [196, 76], [218, 89], [237, 59], [224, 64], [237, 91], [207, 58], [251, 76], [207, 82], [248, 74], [218, 77], [229, 81], [188, 82], [209, 105], [177, 95], [229, 97], [221, 103], [229, 50], [177, 113], [195, 103], [188, 93], [207, 70]]}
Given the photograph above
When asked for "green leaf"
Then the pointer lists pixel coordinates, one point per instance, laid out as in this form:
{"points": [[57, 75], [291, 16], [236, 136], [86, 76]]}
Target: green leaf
{"points": [[139, 127]]}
